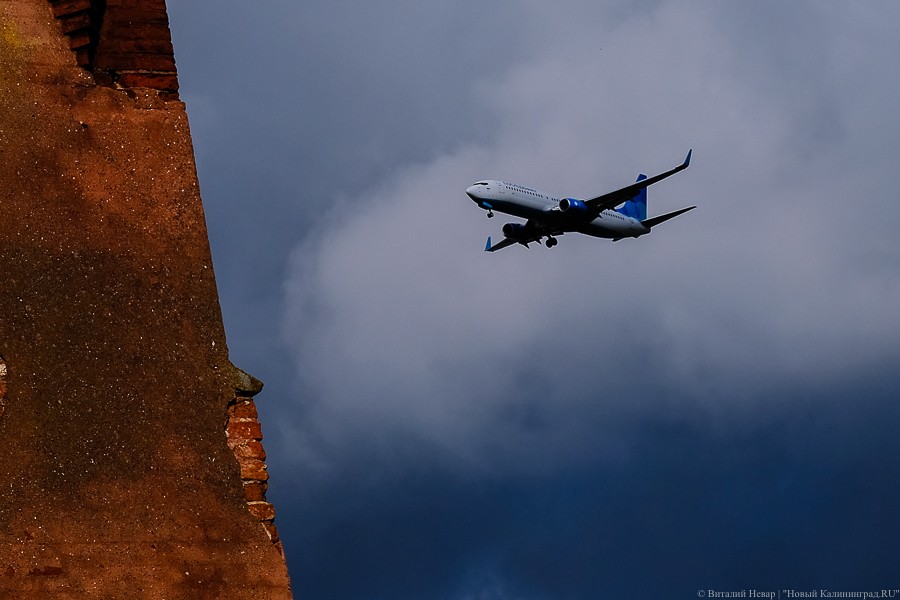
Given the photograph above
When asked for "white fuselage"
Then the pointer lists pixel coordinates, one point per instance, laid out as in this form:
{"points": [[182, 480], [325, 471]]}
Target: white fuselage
{"points": [[528, 203]]}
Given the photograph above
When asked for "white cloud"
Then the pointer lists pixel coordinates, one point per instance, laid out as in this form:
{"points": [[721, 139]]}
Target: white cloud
{"points": [[405, 330]]}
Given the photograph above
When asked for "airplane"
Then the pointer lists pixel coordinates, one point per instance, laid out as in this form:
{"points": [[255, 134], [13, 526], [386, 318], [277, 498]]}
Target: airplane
{"points": [[548, 217]]}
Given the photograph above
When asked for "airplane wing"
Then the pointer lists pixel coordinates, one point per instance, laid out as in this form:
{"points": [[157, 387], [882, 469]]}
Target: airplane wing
{"points": [[613, 199], [499, 245]]}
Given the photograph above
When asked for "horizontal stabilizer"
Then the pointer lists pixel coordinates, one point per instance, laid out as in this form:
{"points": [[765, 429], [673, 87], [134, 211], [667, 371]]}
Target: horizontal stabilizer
{"points": [[650, 223], [499, 245]]}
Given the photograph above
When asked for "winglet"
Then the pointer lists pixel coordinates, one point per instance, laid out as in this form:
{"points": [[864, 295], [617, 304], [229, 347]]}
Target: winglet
{"points": [[687, 160], [487, 247]]}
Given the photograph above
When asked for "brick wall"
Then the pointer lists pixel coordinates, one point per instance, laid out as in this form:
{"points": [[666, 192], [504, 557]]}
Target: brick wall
{"points": [[118, 479], [244, 435], [80, 21], [124, 43]]}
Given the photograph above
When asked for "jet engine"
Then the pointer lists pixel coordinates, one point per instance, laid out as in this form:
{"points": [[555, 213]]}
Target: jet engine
{"points": [[518, 232], [571, 205]]}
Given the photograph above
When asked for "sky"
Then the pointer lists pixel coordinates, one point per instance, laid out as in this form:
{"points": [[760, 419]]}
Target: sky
{"points": [[713, 407]]}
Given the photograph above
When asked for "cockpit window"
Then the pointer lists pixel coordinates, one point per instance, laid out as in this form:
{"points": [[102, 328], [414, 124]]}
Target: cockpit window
{"points": [[482, 183]]}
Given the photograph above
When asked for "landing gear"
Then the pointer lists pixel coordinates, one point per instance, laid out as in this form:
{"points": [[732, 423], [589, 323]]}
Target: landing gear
{"points": [[551, 241], [490, 214]]}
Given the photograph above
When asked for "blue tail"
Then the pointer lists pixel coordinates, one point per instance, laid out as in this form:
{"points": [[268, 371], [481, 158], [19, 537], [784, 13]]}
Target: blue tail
{"points": [[636, 208]]}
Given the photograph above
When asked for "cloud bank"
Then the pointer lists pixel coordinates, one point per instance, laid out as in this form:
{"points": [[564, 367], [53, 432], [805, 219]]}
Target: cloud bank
{"points": [[405, 330]]}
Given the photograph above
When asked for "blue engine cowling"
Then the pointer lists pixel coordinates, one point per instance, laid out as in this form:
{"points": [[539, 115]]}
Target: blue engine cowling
{"points": [[518, 232], [571, 205]]}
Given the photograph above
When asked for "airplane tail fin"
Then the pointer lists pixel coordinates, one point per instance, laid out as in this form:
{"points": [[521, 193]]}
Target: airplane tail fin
{"points": [[636, 207]]}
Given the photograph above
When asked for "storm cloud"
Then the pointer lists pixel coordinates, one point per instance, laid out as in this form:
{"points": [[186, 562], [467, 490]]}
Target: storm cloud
{"points": [[710, 405]]}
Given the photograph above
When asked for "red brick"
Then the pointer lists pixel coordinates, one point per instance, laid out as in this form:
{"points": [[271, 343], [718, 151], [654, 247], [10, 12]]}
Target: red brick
{"points": [[243, 430], [132, 31], [245, 409], [139, 46], [269, 526], [262, 510], [253, 469], [62, 8], [81, 40], [135, 62], [250, 449], [138, 15], [147, 4], [83, 57], [255, 491], [156, 81], [76, 22]]}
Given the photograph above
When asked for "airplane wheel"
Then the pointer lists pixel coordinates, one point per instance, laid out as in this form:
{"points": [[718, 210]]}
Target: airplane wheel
{"points": [[490, 215], [551, 242]]}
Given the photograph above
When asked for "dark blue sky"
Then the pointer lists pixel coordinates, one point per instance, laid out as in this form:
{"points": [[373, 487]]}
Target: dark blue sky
{"points": [[714, 406]]}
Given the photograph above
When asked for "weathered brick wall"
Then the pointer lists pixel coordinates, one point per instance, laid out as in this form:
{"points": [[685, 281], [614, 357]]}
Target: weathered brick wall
{"points": [[244, 434], [117, 479], [80, 21], [124, 43]]}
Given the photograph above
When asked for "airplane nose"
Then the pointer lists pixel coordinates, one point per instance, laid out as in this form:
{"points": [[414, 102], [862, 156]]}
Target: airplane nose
{"points": [[470, 192]]}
